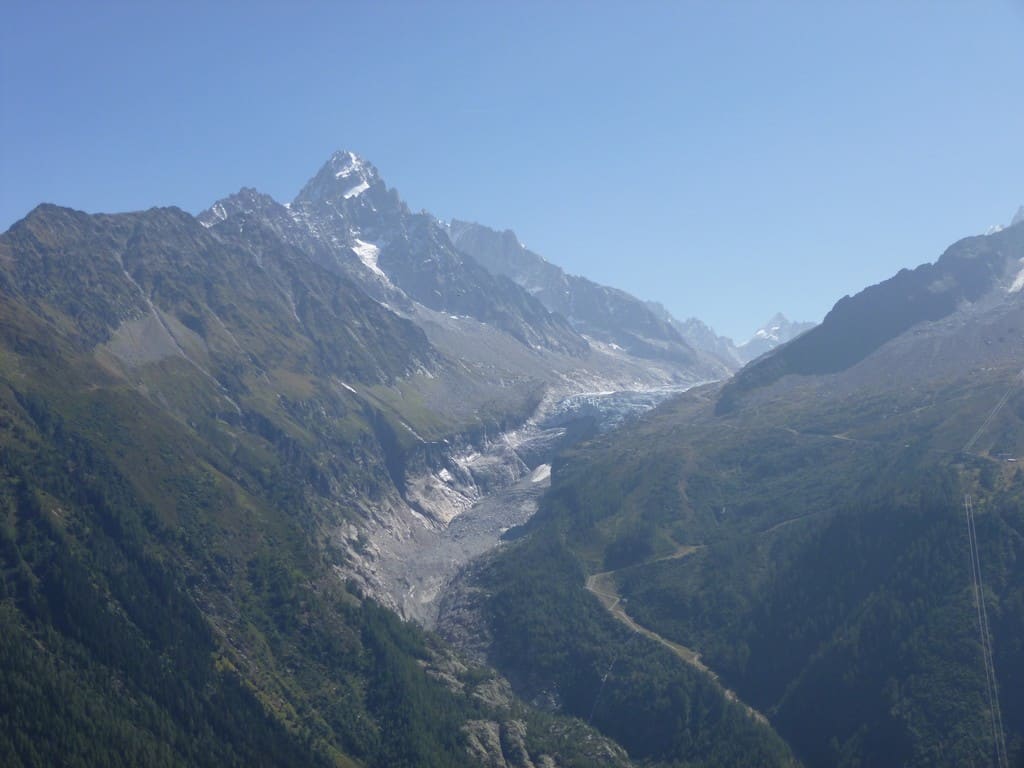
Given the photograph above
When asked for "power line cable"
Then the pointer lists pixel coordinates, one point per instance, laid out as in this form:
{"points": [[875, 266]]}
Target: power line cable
{"points": [[991, 686]]}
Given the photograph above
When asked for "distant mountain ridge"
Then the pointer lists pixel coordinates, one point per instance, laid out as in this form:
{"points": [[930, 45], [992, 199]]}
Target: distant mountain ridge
{"points": [[348, 218], [980, 274], [608, 315], [778, 330], [701, 336]]}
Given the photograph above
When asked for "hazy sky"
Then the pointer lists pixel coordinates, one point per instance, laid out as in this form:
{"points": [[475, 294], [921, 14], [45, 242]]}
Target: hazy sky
{"points": [[726, 159]]}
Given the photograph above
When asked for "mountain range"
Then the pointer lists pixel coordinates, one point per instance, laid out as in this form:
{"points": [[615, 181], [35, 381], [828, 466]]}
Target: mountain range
{"points": [[611, 316], [238, 449], [219, 436]]}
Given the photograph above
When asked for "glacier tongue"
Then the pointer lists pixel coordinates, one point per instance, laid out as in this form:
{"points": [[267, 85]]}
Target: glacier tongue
{"points": [[481, 492]]}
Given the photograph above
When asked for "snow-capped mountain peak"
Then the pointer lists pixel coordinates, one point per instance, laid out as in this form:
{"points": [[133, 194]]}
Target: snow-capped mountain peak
{"points": [[345, 163], [778, 330], [344, 176], [353, 171], [774, 328]]}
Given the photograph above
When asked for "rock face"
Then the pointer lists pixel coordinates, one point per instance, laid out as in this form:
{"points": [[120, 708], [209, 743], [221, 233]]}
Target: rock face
{"points": [[499, 745], [505, 738]]}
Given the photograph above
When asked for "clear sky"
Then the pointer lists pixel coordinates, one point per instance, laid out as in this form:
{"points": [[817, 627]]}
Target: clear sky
{"points": [[727, 159]]}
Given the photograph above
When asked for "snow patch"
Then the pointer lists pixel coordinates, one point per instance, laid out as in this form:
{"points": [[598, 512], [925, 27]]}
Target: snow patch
{"points": [[217, 209], [349, 166], [350, 163], [413, 432], [350, 389], [541, 473], [357, 190], [771, 334], [368, 253], [1018, 282]]}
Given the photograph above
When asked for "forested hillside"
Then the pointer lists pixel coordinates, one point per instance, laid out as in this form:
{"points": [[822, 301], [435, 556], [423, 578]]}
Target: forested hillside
{"points": [[186, 475], [829, 585], [807, 544]]}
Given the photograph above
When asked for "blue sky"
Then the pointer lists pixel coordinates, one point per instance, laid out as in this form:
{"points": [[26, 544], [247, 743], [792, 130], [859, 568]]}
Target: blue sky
{"points": [[726, 159]]}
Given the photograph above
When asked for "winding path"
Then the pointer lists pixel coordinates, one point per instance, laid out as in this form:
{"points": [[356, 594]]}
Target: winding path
{"points": [[602, 585]]}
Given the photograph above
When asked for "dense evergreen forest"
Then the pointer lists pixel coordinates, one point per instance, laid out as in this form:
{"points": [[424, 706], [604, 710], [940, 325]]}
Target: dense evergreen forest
{"points": [[635, 691], [108, 659], [172, 617]]}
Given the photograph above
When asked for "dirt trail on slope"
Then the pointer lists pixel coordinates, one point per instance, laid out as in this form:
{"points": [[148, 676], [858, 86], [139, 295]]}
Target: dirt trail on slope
{"points": [[602, 585]]}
